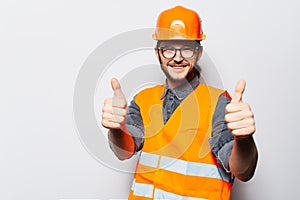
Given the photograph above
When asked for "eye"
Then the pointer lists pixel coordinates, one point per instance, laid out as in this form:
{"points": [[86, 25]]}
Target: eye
{"points": [[187, 52], [168, 52]]}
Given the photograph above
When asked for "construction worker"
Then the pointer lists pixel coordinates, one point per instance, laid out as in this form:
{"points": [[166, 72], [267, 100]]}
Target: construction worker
{"points": [[193, 139]]}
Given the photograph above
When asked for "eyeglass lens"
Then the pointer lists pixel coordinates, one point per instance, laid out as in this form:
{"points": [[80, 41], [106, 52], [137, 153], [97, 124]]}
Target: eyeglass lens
{"points": [[185, 52]]}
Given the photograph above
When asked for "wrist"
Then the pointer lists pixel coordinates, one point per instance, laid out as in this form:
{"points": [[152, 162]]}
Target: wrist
{"points": [[243, 138]]}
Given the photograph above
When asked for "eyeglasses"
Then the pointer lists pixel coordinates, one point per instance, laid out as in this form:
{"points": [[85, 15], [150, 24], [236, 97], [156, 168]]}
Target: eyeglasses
{"points": [[185, 52]]}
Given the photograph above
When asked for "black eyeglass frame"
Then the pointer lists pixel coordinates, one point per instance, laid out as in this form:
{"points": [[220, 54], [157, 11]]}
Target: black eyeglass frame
{"points": [[194, 49]]}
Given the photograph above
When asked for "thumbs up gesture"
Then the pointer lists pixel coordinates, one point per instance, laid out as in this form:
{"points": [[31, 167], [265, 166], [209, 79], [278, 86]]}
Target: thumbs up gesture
{"points": [[115, 109], [239, 117]]}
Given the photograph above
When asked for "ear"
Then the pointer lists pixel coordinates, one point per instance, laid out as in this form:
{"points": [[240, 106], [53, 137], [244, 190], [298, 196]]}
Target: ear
{"points": [[156, 53], [200, 52]]}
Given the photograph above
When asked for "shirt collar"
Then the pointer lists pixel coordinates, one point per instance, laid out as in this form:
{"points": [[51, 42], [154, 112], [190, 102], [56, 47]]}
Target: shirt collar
{"points": [[182, 91]]}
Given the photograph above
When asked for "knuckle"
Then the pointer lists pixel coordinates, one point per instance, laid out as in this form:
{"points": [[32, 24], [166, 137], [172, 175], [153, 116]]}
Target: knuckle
{"points": [[105, 109], [247, 106], [227, 107], [251, 114], [252, 129], [227, 118], [115, 125], [122, 119], [104, 117], [229, 126], [118, 126], [251, 121], [247, 121], [122, 113], [248, 113], [123, 104], [125, 112], [107, 101], [104, 123], [234, 132]]}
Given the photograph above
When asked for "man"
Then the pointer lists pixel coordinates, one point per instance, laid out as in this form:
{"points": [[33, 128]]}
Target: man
{"points": [[194, 139]]}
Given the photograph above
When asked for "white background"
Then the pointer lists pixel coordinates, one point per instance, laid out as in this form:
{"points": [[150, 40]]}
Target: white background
{"points": [[43, 45]]}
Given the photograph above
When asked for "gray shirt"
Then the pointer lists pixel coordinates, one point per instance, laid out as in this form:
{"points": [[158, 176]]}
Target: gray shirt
{"points": [[221, 141]]}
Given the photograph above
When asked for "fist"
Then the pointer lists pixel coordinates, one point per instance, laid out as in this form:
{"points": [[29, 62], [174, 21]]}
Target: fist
{"points": [[239, 117], [115, 109]]}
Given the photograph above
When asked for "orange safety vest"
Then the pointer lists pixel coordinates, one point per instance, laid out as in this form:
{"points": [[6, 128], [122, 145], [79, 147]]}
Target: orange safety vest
{"points": [[176, 161]]}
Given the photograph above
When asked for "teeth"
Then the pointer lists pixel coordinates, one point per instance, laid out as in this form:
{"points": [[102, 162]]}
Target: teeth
{"points": [[177, 67]]}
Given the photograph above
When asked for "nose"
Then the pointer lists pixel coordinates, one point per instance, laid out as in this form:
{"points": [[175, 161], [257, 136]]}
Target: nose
{"points": [[178, 58]]}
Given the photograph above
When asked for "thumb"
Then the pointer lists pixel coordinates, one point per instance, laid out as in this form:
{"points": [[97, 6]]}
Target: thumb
{"points": [[238, 92], [115, 84]]}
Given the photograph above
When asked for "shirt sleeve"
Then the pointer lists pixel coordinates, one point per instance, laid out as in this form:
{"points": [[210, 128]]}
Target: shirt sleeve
{"points": [[221, 142], [135, 125]]}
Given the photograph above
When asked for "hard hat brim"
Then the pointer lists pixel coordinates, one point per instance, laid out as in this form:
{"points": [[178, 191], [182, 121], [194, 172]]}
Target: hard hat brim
{"points": [[179, 37]]}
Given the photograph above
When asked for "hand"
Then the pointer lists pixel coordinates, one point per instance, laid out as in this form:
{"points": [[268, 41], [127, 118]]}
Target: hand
{"points": [[239, 117], [115, 109]]}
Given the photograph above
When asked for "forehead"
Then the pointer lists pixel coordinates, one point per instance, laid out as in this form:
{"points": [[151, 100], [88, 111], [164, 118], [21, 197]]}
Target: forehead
{"points": [[178, 43]]}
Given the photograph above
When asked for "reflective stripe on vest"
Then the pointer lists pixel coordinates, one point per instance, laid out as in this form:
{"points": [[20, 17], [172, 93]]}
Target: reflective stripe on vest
{"points": [[160, 194], [184, 167], [147, 190], [141, 189]]}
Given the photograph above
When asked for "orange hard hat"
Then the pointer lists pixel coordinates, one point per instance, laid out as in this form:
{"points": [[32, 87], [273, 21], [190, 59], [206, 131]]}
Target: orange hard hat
{"points": [[178, 23]]}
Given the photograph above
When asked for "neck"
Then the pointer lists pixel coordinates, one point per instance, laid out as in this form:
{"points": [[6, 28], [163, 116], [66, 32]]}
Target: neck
{"points": [[175, 84]]}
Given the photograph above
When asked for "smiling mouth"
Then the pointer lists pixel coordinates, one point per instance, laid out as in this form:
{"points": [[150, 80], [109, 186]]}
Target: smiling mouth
{"points": [[177, 66]]}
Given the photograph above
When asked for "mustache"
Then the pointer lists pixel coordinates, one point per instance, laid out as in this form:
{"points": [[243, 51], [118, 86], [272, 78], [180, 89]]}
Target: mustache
{"points": [[178, 64]]}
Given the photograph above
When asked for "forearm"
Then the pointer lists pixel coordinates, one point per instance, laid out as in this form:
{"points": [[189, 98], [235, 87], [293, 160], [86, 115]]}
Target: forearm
{"points": [[243, 158], [122, 143]]}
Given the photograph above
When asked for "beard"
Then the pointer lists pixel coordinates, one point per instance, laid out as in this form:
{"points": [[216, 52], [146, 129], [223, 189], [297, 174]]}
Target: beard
{"points": [[190, 75]]}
